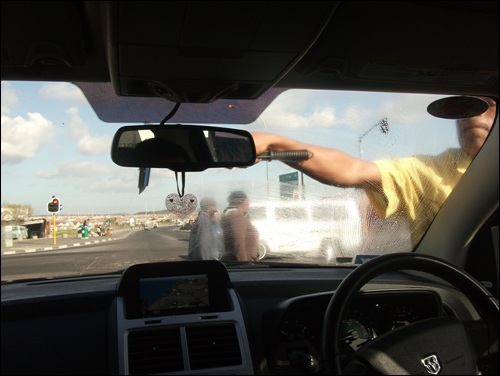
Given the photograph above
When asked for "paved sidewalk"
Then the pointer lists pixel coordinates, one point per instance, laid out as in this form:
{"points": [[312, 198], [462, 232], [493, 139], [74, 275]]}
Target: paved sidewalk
{"points": [[47, 244]]}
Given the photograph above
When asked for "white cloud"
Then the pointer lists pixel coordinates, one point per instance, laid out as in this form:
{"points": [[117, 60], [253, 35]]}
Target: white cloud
{"points": [[76, 126], [16, 146], [117, 185], [408, 108], [355, 116], [62, 91], [86, 144], [316, 108], [91, 176], [9, 98], [94, 145], [293, 109], [76, 169], [319, 118]]}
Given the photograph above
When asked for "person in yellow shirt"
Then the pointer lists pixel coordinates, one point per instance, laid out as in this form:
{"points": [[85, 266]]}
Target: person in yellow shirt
{"points": [[416, 186]]}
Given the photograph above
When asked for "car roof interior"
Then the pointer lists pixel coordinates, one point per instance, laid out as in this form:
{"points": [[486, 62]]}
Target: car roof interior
{"points": [[199, 52]]}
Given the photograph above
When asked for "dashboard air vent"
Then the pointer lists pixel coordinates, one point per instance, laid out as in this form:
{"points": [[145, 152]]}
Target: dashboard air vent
{"points": [[213, 346], [155, 351]]}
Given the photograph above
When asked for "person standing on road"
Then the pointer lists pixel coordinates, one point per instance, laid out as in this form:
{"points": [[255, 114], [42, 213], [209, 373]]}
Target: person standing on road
{"points": [[241, 238], [85, 230], [205, 241]]}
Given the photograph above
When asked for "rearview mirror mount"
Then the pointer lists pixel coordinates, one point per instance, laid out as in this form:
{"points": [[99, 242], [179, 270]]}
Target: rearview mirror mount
{"points": [[182, 148]]}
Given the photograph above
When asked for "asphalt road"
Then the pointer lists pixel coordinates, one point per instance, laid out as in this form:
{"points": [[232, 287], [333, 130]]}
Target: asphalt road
{"points": [[138, 246], [98, 255]]}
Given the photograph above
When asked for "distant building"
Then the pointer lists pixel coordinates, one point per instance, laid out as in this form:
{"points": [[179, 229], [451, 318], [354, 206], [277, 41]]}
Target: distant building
{"points": [[38, 227]]}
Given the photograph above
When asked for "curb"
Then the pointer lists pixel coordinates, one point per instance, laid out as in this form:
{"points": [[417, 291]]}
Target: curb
{"points": [[43, 249]]}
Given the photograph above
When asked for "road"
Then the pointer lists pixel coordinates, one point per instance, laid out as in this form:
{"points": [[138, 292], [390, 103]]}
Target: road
{"points": [[108, 255], [138, 246]]}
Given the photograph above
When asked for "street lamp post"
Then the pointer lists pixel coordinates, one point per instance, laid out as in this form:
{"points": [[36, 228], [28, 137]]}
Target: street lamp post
{"points": [[384, 128], [267, 162]]}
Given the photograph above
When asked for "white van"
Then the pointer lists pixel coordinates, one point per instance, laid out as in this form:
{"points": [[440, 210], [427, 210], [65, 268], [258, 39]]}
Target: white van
{"points": [[329, 228], [19, 232]]}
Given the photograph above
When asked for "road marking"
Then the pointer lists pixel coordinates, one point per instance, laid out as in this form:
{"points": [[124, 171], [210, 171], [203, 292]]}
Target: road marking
{"points": [[168, 237], [92, 263], [70, 245]]}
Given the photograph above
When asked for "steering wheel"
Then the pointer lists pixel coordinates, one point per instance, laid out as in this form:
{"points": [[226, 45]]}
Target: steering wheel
{"points": [[429, 346]]}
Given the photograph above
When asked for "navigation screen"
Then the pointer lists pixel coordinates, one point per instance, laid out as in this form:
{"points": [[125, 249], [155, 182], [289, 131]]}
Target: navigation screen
{"points": [[174, 295]]}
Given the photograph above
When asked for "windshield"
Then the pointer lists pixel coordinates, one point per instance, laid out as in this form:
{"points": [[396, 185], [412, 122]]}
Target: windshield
{"points": [[55, 147]]}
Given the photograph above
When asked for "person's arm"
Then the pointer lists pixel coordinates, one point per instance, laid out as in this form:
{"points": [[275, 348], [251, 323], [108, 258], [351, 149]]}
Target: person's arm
{"points": [[327, 165]]}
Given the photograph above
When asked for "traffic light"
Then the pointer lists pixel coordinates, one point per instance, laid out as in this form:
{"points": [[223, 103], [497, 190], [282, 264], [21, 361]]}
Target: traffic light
{"points": [[53, 206]]}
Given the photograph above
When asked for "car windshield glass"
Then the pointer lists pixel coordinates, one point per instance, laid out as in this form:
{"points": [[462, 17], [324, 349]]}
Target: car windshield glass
{"points": [[406, 154]]}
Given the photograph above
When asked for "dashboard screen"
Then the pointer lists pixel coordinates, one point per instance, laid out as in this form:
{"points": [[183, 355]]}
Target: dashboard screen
{"points": [[163, 296]]}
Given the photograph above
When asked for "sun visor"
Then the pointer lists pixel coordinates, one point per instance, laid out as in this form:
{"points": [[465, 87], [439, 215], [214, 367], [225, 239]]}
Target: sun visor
{"points": [[198, 52], [112, 108]]}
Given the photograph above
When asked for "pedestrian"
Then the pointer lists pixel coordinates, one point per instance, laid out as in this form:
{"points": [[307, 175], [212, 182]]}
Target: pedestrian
{"points": [[205, 239], [241, 238], [85, 230]]}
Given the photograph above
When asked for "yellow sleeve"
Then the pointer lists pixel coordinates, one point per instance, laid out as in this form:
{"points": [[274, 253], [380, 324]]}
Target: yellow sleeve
{"points": [[417, 186], [401, 188]]}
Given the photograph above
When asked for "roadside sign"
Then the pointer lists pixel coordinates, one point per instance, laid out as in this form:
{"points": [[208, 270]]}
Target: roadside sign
{"points": [[289, 184], [292, 176]]}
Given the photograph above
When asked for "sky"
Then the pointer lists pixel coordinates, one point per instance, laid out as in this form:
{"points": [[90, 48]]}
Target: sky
{"points": [[53, 144]]}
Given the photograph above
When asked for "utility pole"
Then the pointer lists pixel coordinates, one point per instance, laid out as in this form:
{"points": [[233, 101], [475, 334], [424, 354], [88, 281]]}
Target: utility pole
{"points": [[54, 227], [303, 187], [267, 162], [53, 207], [384, 128]]}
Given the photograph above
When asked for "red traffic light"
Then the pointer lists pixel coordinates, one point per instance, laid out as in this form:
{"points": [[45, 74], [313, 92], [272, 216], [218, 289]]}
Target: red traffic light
{"points": [[54, 206]]}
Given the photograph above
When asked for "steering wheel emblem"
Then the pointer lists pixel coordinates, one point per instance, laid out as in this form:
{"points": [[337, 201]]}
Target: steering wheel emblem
{"points": [[432, 365]]}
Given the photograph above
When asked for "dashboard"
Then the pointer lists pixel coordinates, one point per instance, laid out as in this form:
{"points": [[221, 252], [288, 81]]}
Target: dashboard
{"points": [[296, 325], [201, 318], [180, 317]]}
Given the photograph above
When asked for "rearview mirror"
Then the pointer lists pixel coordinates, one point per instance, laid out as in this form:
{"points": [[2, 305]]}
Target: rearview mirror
{"points": [[182, 147]]}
